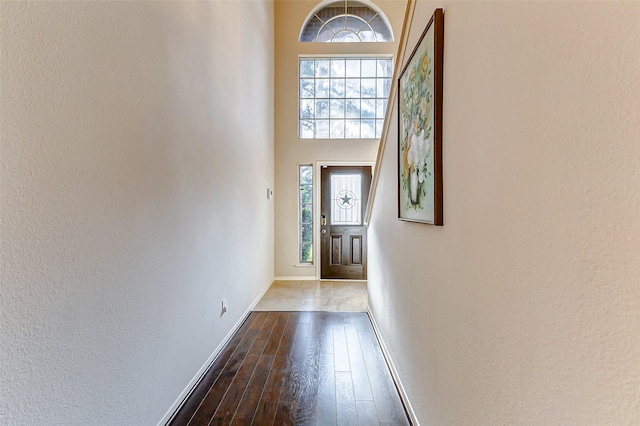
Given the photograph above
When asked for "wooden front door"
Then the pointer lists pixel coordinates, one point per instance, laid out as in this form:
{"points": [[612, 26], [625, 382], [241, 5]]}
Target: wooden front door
{"points": [[343, 235]]}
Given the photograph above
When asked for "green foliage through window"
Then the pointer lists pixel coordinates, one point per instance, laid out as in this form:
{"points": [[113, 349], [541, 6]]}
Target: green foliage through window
{"points": [[305, 215]]}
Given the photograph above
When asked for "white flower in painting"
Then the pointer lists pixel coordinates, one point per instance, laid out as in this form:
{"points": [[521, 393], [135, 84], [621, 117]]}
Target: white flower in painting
{"points": [[419, 151], [415, 149]]}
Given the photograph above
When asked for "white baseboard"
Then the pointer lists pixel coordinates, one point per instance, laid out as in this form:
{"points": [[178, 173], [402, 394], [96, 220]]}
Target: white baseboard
{"points": [[394, 372], [205, 367], [302, 278]]}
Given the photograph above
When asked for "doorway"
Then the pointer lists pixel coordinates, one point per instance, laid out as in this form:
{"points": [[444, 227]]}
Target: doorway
{"points": [[344, 191]]}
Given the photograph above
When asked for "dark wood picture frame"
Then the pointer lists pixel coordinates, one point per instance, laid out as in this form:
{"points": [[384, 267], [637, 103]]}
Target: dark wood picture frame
{"points": [[420, 128]]}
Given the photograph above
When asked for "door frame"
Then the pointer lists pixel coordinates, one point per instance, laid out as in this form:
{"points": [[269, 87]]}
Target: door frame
{"points": [[317, 199]]}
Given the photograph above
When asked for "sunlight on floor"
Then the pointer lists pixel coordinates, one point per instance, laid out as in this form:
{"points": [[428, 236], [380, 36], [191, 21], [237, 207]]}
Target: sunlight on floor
{"points": [[329, 296]]}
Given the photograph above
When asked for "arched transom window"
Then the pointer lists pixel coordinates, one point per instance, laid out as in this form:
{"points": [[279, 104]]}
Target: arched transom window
{"points": [[346, 21]]}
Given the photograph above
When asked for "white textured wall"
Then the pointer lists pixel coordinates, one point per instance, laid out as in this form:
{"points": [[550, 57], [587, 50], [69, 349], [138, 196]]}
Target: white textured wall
{"points": [[290, 151], [137, 146], [525, 307]]}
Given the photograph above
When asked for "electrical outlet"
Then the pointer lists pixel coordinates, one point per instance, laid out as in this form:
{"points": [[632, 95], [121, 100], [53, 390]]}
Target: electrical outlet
{"points": [[224, 307]]}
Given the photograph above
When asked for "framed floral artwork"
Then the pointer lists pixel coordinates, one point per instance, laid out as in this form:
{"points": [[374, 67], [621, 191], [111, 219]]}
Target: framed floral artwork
{"points": [[420, 128]]}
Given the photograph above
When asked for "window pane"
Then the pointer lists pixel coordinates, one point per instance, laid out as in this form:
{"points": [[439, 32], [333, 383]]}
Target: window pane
{"points": [[379, 125], [322, 67], [383, 87], [306, 129], [306, 194], [368, 108], [381, 108], [325, 35], [367, 36], [306, 67], [337, 88], [337, 108], [352, 108], [346, 37], [352, 130], [305, 216], [352, 88], [360, 10], [322, 109], [337, 67], [307, 88], [368, 129], [307, 109], [368, 87], [306, 175], [346, 205], [368, 68], [306, 253], [322, 88], [337, 129], [322, 129], [385, 68], [354, 24], [311, 29], [306, 233], [381, 29], [336, 24], [352, 68]]}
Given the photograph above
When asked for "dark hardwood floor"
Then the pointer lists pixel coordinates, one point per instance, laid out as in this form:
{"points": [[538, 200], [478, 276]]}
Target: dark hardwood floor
{"points": [[297, 368]]}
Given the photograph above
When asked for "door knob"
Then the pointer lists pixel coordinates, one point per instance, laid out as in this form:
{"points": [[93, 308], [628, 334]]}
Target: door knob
{"points": [[324, 231]]}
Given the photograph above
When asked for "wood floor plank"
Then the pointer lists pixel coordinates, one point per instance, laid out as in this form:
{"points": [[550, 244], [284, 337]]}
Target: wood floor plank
{"points": [[366, 413], [309, 375], [305, 317], [345, 402], [267, 326], [403, 419], [229, 404], [401, 413], [340, 350], [326, 400], [348, 317], [379, 385], [266, 411], [258, 320], [326, 339], [276, 333], [249, 404], [362, 322], [194, 400], [268, 405], [295, 377], [211, 401], [284, 347], [359, 375]]}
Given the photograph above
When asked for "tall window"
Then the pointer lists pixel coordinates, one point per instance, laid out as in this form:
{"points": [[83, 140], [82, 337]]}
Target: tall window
{"points": [[305, 218], [343, 97], [346, 21]]}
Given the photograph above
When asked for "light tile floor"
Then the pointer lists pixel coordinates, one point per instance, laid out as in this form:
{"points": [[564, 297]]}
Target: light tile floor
{"points": [[329, 296]]}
